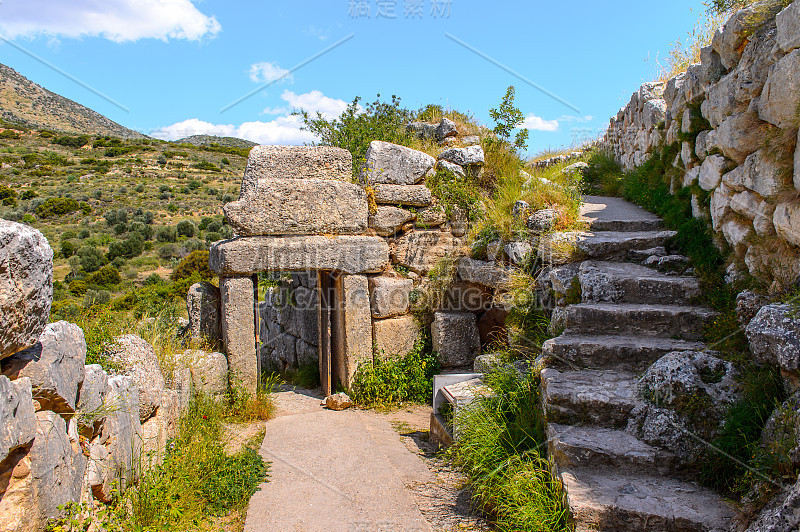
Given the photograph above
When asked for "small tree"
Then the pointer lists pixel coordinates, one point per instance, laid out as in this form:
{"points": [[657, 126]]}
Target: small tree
{"points": [[507, 117], [186, 228]]}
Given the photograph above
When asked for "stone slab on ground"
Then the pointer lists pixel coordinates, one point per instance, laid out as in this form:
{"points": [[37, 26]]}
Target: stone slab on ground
{"points": [[616, 502], [411, 195], [615, 214], [630, 319], [604, 398], [559, 248], [621, 282], [349, 254]]}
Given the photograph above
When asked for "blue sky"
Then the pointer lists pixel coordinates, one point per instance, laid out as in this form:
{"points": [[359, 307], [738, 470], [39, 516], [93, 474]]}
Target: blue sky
{"points": [[171, 68]]}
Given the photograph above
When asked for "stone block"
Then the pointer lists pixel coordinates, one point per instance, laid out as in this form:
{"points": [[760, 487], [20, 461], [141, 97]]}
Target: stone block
{"points": [[739, 135], [711, 172], [420, 251], [295, 207], [389, 220], [410, 195], [455, 338], [202, 305], [483, 273], [91, 399], [787, 222], [388, 163], [137, 359], [55, 366], [781, 95], [788, 22], [239, 331], [295, 162], [760, 173], [394, 337], [469, 156], [757, 209], [209, 372], [389, 296], [26, 286], [357, 323], [17, 418]]}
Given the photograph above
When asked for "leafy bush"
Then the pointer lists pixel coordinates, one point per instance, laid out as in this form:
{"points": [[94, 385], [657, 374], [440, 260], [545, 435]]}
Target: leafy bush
{"points": [[206, 165], [77, 287], [129, 248], [507, 117], [70, 141], [397, 380], [57, 207], [67, 249], [355, 128], [29, 194], [91, 258], [167, 234], [169, 252], [106, 276], [186, 228], [193, 266]]}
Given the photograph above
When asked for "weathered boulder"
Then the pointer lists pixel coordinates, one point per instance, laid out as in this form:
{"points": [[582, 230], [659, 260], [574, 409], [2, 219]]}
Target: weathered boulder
{"points": [[711, 66], [209, 372], [137, 359], [433, 216], [760, 173], [711, 172], [720, 205], [159, 429], [394, 337], [48, 476], [757, 209], [420, 251], [113, 456], [421, 130], [747, 306], [518, 252], [782, 514], [389, 220], [338, 401], [542, 220], [55, 366], [446, 128], [774, 336], [239, 296], [299, 206], [17, 418], [412, 195], [483, 273], [739, 135], [781, 95], [787, 222], [469, 156], [450, 169], [395, 165], [666, 429], [350, 254], [459, 223], [728, 40], [389, 296], [781, 433], [295, 162], [202, 305], [455, 338], [91, 399], [737, 233], [686, 375], [26, 286], [520, 209], [788, 22], [471, 140]]}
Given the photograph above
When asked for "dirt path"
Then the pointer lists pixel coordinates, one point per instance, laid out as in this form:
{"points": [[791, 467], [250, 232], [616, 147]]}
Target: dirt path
{"points": [[355, 471]]}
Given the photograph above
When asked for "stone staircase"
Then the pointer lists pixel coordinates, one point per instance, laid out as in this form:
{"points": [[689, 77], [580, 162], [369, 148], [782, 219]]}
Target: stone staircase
{"points": [[630, 316]]}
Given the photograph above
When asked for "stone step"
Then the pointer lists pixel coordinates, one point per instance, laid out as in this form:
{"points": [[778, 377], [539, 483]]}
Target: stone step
{"points": [[602, 245], [622, 282], [574, 447], [599, 397], [618, 501], [626, 225], [615, 214], [629, 319], [627, 353]]}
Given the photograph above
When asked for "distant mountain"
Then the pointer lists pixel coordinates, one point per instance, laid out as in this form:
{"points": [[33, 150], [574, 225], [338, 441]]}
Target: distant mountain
{"points": [[227, 142], [24, 102]]}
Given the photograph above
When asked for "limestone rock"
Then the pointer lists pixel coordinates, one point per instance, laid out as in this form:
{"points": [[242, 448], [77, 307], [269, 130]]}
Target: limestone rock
{"points": [[159, 429], [781, 514], [739, 135], [350, 254], [395, 165], [55, 366], [295, 162], [787, 222], [455, 338], [388, 220], [747, 306], [420, 251], [26, 286], [701, 145], [757, 209], [338, 401], [17, 418], [781, 95], [720, 205], [691, 176], [446, 128], [520, 209], [774, 336], [682, 374], [664, 428], [469, 156], [421, 130], [299, 206], [760, 173], [459, 224], [737, 232], [412, 195], [728, 40], [209, 372], [433, 216], [91, 399], [711, 172], [711, 66], [239, 331], [483, 273], [518, 252], [137, 359], [202, 305], [394, 337], [49, 476], [579, 167], [114, 455], [471, 140], [788, 22], [542, 220], [389, 296]]}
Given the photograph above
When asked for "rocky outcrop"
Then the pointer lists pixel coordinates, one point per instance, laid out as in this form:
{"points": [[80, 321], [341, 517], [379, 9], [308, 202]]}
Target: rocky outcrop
{"points": [[774, 336], [455, 338], [202, 306], [26, 286], [391, 164], [137, 359]]}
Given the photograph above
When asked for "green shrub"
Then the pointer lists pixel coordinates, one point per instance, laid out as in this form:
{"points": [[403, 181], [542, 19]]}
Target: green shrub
{"points": [[205, 222], [70, 141], [167, 234], [29, 194], [77, 287], [508, 117], [67, 249], [195, 265], [91, 258], [205, 165], [186, 228], [57, 207], [397, 380], [106, 276], [129, 248]]}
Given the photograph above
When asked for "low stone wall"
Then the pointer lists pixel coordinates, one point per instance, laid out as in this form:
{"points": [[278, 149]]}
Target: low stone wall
{"points": [[732, 120], [71, 432]]}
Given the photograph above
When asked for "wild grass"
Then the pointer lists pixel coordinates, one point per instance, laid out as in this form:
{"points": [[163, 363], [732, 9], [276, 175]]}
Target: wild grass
{"points": [[388, 382], [683, 53], [500, 450]]}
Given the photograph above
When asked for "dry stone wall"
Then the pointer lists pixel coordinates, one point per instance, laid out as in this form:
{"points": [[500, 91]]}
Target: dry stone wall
{"points": [[733, 121]]}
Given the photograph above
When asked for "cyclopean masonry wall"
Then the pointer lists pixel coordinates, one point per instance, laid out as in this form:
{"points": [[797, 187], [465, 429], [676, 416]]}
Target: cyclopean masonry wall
{"points": [[379, 259], [733, 121]]}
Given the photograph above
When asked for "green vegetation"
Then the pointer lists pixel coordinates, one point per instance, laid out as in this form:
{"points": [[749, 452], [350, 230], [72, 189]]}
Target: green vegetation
{"points": [[394, 381], [507, 118], [500, 452]]}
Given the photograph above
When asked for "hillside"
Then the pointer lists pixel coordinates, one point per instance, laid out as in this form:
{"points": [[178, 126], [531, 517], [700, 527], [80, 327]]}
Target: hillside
{"points": [[24, 102], [209, 140]]}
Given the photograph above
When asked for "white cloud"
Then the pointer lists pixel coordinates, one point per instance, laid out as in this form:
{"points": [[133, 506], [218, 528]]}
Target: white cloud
{"points": [[116, 20], [570, 118], [265, 72], [537, 123], [314, 102]]}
